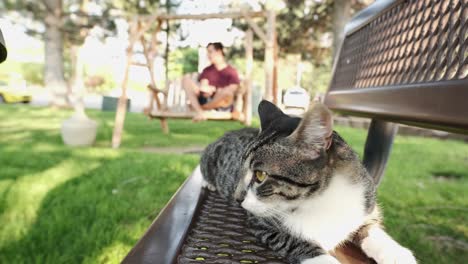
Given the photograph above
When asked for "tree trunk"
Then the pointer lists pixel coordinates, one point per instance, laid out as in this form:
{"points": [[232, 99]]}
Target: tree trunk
{"points": [[54, 70], [341, 15], [78, 88], [77, 91]]}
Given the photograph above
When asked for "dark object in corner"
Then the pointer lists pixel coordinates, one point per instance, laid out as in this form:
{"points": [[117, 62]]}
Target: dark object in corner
{"points": [[3, 50]]}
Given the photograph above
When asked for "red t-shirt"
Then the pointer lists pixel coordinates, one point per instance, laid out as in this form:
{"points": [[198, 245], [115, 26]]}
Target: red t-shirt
{"points": [[220, 79]]}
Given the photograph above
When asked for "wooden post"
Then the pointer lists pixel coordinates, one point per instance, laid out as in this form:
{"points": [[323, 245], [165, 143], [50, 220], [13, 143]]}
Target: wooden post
{"points": [[150, 53], [122, 104], [270, 57], [248, 77], [276, 91], [258, 31]]}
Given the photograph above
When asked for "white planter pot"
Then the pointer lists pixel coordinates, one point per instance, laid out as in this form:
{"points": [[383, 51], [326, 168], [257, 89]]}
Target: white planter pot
{"points": [[79, 131]]}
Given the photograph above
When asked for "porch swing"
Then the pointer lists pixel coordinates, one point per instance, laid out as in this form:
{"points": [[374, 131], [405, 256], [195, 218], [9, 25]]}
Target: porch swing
{"points": [[170, 103]]}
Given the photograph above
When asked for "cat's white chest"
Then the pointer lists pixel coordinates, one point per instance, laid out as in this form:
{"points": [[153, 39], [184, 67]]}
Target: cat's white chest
{"points": [[329, 218]]}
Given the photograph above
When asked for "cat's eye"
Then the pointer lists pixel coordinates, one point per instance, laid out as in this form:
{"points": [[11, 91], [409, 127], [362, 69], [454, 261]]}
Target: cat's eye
{"points": [[260, 176]]}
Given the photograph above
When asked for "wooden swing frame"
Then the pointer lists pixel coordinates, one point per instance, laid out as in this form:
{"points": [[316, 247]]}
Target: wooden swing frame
{"points": [[152, 24]]}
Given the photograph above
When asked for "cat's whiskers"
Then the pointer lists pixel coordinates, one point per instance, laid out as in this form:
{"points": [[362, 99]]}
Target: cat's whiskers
{"points": [[276, 221], [277, 214], [280, 212]]}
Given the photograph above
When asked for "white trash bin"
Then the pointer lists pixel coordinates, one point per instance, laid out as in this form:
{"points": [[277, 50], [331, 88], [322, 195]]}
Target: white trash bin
{"points": [[79, 130]]}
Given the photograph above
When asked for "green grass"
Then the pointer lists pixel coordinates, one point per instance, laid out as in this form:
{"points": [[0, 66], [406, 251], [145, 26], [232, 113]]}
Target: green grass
{"points": [[90, 205]]}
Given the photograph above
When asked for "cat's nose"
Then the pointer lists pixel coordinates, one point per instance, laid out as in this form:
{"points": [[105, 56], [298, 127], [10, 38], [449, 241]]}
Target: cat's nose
{"points": [[240, 200]]}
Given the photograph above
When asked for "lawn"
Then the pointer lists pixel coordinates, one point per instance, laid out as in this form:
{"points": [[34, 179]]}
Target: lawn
{"points": [[90, 205]]}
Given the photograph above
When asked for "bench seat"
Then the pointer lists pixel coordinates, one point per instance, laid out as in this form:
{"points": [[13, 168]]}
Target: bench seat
{"points": [[199, 226]]}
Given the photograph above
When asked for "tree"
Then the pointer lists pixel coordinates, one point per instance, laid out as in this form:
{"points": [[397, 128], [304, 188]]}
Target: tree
{"points": [[60, 28], [303, 24], [53, 41], [65, 25], [311, 28], [50, 12]]}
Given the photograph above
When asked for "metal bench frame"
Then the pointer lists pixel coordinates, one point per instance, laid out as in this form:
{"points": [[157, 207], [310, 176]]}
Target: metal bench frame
{"points": [[439, 103]]}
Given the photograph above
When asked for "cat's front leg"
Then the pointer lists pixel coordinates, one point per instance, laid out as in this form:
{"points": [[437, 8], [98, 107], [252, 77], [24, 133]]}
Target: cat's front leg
{"points": [[204, 177], [295, 250], [377, 244]]}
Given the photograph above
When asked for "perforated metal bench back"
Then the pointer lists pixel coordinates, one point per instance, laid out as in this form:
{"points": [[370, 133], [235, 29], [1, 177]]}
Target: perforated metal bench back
{"points": [[406, 61]]}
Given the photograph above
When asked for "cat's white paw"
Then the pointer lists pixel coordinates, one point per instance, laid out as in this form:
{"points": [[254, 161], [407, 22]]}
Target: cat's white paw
{"points": [[208, 185], [400, 255], [396, 255], [322, 259], [211, 187], [384, 250]]}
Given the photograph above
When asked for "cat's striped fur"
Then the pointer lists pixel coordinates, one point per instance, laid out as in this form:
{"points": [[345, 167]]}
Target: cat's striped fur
{"points": [[304, 187]]}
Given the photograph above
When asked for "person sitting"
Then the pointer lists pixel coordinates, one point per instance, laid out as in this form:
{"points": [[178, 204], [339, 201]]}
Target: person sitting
{"points": [[216, 84]]}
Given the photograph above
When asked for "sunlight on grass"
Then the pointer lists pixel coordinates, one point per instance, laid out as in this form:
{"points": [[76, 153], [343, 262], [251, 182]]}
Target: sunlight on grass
{"points": [[24, 196], [109, 253]]}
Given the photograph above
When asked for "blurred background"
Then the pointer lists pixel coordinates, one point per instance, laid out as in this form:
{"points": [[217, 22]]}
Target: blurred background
{"points": [[46, 39], [91, 204]]}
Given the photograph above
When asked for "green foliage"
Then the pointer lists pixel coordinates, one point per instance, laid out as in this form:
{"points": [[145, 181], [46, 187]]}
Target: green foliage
{"points": [[175, 65], [32, 73], [316, 78], [189, 60], [300, 27], [182, 61], [100, 82], [301, 24]]}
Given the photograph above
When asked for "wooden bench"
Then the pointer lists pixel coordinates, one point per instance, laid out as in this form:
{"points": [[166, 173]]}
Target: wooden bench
{"points": [[400, 62]]}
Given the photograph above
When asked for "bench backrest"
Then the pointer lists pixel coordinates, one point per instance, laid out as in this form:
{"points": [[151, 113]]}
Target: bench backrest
{"points": [[405, 61]]}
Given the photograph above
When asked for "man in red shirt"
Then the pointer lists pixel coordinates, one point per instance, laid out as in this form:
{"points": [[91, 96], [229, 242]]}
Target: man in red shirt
{"points": [[216, 85]]}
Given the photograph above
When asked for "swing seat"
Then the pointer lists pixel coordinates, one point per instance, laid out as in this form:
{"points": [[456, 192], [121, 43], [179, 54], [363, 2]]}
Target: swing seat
{"points": [[210, 115], [176, 106]]}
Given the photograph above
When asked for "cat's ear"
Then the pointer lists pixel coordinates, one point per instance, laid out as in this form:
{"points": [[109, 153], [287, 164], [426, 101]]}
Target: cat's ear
{"points": [[316, 128], [268, 112]]}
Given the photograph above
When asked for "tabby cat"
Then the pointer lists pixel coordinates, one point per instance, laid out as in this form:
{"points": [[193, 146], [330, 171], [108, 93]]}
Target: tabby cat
{"points": [[305, 189]]}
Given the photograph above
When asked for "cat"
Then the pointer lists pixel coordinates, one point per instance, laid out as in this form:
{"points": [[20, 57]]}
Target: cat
{"points": [[305, 190]]}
